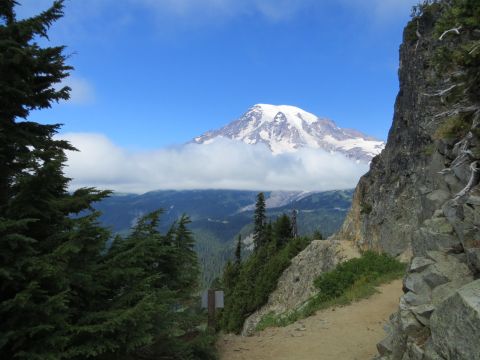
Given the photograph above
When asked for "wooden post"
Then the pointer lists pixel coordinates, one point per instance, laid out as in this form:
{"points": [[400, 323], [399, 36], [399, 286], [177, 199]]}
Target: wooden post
{"points": [[211, 309]]}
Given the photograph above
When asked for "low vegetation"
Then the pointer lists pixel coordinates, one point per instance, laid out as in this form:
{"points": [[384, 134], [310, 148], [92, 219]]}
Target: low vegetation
{"points": [[365, 208], [352, 280], [454, 127]]}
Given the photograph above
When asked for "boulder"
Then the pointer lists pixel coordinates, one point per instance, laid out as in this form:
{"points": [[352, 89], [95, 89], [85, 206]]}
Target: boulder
{"points": [[423, 313], [384, 347], [416, 299], [409, 324], [419, 264], [455, 325], [473, 258], [415, 282], [442, 292], [428, 238]]}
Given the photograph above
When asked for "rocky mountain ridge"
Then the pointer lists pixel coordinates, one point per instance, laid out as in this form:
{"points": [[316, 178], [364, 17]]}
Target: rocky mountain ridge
{"points": [[286, 128]]}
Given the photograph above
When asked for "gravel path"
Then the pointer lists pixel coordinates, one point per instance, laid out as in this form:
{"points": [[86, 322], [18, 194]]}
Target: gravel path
{"points": [[342, 333]]}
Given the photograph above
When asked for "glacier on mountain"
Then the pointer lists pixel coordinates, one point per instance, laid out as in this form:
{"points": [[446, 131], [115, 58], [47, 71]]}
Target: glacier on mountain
{"points": [[285, 128]]}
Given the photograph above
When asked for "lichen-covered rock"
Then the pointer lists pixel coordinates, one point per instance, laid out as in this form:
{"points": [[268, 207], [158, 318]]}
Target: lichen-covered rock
{"points": [[455, 324]]}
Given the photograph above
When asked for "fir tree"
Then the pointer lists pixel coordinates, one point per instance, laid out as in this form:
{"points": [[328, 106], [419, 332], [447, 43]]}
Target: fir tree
{"points": [[38, 245], [259, 222], [283, 230], [238, 251], [294, 224]]}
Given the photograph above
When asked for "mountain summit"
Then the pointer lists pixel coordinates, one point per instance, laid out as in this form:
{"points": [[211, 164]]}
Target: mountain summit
{"points": [[285, 128]]}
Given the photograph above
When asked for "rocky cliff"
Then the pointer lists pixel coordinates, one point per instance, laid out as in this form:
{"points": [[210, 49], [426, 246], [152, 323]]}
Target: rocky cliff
{"points": [[421, 197]]}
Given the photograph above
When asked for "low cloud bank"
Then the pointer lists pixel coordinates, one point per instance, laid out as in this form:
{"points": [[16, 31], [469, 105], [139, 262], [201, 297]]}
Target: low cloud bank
{"points": [[223, 164]]}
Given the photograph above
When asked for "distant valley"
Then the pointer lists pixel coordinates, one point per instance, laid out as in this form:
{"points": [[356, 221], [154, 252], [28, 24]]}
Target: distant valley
{"points": [[219, 216]]}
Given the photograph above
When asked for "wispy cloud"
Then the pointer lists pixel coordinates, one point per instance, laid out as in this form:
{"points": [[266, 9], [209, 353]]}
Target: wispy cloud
{"points": [[224, 164], [82, 92]]}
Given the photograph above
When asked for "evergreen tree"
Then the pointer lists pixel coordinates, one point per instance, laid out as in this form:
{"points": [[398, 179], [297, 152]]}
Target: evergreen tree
{"points": [[38, 242], [283, 230], [238, 251], [189, 264], [317, 235], [145, 278], [259, 222], [294, 224]]}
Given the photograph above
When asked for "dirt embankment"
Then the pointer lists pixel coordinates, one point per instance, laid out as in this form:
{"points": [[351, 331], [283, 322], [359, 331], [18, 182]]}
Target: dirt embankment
{"points": [[342, 333]]}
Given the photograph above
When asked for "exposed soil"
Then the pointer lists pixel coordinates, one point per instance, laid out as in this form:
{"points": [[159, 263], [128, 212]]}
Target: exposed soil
{"points": [[341, 333]]}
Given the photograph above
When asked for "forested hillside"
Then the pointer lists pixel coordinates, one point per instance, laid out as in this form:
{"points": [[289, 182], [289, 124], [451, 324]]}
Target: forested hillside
{"points": [[219, 216], [249, 282]]}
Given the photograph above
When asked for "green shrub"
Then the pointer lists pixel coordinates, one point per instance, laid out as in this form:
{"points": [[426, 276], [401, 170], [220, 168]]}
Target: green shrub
{"points": [[369, 267], [365, 208], [410, 32], [429, 149], [350, 281], [454, 127]]}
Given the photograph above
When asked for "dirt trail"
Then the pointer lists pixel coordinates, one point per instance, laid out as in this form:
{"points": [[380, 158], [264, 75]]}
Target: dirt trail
{"points": [[342, 333]]}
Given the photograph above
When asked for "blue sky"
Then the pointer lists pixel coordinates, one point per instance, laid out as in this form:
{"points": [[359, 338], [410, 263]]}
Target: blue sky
{"points": [[153, 73]]}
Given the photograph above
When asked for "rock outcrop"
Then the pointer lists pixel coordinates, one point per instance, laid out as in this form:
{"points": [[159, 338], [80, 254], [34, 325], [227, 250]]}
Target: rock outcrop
{"points": [[421, 197], [295, 285]]}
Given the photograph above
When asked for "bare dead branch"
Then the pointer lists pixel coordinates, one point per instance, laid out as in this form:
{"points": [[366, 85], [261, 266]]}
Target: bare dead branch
{"points": [[419, 36], [417, 32], [444, 91], [474, 180], [445, 171], [454, 30]]}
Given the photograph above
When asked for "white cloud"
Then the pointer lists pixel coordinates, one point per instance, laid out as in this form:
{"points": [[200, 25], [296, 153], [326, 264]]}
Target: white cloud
{"points": [[224, 164], [82, 90]]}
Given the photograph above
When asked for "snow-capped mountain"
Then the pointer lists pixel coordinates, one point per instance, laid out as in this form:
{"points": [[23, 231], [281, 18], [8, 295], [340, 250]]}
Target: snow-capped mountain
{"points": [[286, 128]]}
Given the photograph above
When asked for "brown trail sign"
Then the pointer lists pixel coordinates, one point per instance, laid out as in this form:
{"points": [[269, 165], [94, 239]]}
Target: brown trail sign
{"points": [[211, 300]]}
